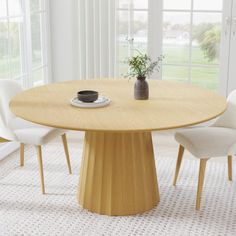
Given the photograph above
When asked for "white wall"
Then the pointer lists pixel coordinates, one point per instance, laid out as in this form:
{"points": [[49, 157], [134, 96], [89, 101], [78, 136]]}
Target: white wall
{"points": [[64, 35]]}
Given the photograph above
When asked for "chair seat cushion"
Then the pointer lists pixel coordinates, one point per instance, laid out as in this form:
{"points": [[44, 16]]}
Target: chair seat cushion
{"points": [[29, 133], [208, 141]]}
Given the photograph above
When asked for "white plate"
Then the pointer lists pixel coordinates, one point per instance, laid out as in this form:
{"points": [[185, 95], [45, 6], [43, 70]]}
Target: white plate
{"points": [[100, 102]]}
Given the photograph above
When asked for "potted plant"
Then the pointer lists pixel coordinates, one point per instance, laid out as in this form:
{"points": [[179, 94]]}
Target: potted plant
{"points": [[141, 66]]}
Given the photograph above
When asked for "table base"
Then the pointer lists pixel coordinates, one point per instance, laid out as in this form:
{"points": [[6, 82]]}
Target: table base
{"points": [[118, 174]]}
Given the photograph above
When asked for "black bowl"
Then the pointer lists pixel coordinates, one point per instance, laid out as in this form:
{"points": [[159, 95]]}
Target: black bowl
{"points": [[87, 95]]}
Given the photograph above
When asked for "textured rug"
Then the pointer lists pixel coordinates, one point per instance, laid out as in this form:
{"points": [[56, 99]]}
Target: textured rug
{"points": [[24, 211]]}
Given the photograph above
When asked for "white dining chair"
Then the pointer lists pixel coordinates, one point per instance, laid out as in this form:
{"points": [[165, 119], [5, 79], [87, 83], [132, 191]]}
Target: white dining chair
{"points": [[204, 143], [13, 128]]}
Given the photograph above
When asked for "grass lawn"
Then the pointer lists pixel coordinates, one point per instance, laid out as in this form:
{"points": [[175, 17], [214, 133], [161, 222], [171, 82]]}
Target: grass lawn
{"points": [[180, 54], [206, 77]]}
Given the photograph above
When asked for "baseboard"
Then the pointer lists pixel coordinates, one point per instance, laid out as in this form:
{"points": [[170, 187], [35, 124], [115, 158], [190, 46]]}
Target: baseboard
{"points": [[8, 148]]}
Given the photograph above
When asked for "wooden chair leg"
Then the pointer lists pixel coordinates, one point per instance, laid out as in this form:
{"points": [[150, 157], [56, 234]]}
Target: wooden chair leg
{"points": [[178, 163], [202, 169], [40, 161], [64, 140], [230, 171], [22, 154]]}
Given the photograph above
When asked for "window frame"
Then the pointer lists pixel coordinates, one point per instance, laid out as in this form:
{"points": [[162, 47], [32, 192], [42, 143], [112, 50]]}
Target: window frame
{"points": [[156, 31], [25, 42], [189, 66], [131, 10]]}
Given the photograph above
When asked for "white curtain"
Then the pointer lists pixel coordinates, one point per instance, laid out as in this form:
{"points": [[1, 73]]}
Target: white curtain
{"points": [[97, 38]]}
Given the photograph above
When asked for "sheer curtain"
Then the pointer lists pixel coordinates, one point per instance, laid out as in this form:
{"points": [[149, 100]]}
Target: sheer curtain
{"points": [[97, 38]]}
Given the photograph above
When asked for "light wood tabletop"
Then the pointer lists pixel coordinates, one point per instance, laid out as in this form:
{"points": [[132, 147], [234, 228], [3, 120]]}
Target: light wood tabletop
{"points": [[118, 175], [171, 105]]}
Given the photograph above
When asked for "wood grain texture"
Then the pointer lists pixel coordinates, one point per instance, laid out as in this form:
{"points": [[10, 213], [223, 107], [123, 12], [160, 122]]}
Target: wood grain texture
{"points": [[118, 174], [22, 154], [201, 176], [40, 161], [2, 140], [230, 168], [178, 163], [171, 105], [65, 145]]}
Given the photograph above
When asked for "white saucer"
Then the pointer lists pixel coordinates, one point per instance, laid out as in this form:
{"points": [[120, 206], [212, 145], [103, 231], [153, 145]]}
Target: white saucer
{"points": [[100, 102]]}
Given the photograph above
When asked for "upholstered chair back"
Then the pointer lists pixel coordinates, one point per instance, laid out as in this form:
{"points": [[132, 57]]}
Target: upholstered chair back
{"points": [[228, 119], [8, 89]]}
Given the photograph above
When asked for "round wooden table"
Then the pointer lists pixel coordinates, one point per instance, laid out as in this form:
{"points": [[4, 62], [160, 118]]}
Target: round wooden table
{"points": [[118, 174]]}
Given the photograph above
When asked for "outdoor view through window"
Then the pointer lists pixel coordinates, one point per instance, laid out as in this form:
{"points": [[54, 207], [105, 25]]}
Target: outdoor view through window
{"points": [[191, 38], [22, 35]]}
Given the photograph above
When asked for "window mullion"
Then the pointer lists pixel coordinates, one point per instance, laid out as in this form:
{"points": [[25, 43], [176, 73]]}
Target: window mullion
{"points": [[22, 22], [27, 45], [8, 41], [190, 44], [131, 28], [43, 39], [155, 34]]}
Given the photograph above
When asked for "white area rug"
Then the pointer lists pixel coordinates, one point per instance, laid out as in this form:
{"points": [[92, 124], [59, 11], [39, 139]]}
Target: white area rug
{"points": [[24, 211]]}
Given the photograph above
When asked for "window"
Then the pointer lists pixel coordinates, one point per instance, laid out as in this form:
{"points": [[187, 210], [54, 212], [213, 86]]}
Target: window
{"points": [[191, 41], [191, 31], [132, 30], [23, 41]]}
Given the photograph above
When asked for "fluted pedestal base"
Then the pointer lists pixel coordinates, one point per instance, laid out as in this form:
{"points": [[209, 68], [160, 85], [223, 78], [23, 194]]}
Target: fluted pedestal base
{"points": [[118, 174]]}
